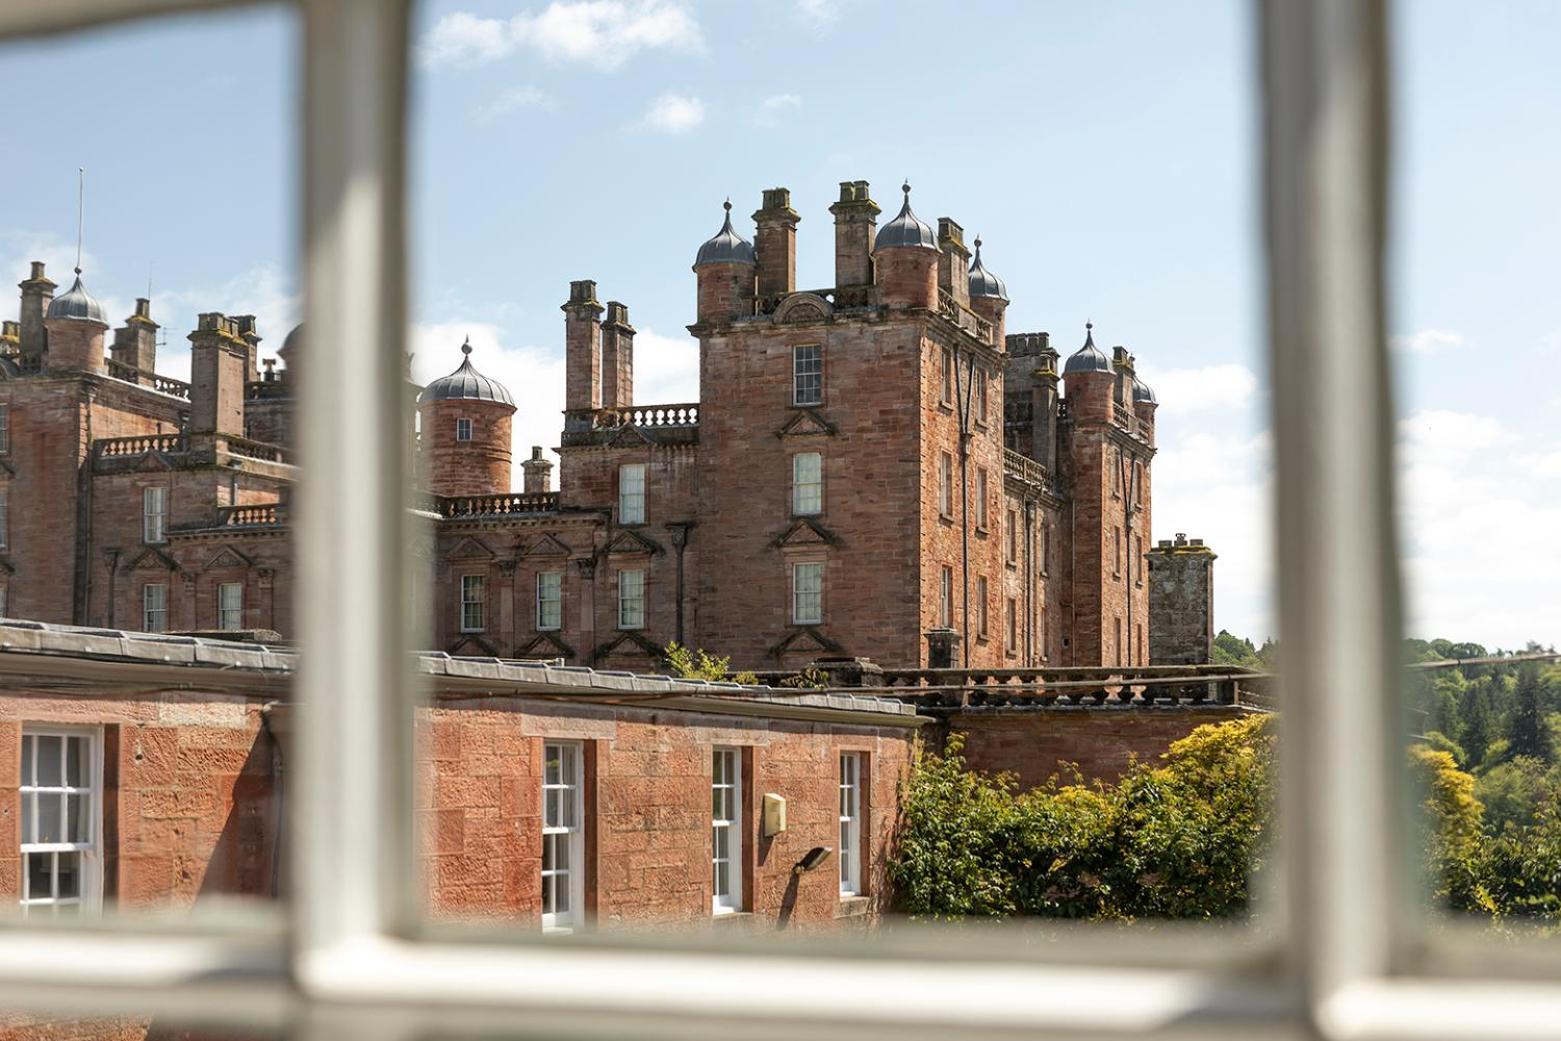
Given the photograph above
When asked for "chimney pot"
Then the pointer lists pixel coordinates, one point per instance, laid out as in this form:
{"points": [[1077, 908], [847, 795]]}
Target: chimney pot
{"points": [[37, 269]]}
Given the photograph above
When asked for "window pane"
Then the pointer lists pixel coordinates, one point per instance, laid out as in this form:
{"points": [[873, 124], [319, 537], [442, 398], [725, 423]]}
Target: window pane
{"points": [[50, 817], [68, 873], [40, 876], [50, 756]]}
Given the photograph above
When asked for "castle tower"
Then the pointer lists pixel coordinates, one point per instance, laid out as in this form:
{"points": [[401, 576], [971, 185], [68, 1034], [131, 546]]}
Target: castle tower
{"points": [[1181, 602], [75, 324], [907, 257], [725, 269], [1107, 465], [466, 427]]}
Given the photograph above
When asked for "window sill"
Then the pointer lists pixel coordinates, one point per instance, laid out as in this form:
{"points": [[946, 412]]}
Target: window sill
{"points": [[728, 914], [946, 518], [853, 906], [981, 530]]}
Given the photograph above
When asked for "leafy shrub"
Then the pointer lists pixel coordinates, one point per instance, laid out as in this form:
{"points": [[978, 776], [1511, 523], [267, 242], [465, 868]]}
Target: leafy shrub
{"points": [[699, 665]]}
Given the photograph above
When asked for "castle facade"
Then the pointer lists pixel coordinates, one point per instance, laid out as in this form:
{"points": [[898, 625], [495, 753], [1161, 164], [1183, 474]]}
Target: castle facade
{"points": [[876, 468]]}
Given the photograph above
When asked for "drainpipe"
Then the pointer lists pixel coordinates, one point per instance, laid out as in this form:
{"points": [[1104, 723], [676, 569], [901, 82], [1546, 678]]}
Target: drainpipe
{"points": [[962, 404], [1029, 583], [679, 533]]}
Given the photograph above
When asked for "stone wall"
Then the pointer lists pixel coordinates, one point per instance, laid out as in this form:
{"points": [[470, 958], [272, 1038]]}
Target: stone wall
{"points": [[1181, 602]]}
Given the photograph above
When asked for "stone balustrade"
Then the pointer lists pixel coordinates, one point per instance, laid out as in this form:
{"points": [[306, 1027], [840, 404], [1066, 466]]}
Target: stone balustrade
{"points": [[142, 443], [1026, 470], [257, 515], [475, 506], [963, 317]]}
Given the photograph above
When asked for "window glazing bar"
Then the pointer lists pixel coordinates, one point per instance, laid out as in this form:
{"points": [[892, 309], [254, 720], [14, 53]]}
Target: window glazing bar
{"points": [[1326, 157]]}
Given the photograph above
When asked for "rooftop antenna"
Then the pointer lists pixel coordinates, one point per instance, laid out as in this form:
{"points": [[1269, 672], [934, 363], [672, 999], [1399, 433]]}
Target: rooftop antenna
{"points": [[81, 209]]}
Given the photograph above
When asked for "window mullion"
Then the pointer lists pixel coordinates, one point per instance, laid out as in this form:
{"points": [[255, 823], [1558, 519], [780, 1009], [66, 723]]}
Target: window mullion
{"points": [[1324, 68], [353, 848]]}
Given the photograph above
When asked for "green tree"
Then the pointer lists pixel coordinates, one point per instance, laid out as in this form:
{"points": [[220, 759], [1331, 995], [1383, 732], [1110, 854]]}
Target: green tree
{"points": [[1478, 726], [1526, 732]]}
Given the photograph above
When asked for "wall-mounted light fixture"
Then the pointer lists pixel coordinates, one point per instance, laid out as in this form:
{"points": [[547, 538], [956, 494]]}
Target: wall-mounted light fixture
{"points": [[814, 857], [774, 816]]}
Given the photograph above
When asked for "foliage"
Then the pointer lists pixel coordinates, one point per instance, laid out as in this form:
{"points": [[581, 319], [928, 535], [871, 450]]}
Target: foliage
{"points": [[688, 664], [1453, 853], [1526, 728], [1177, 839]]}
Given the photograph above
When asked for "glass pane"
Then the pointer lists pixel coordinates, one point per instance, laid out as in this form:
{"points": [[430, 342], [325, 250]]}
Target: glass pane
{"points": [[50, 817], [29, 816], [80, 819], [28, 743], [553, 801], [40, 881], [561, 894], [50, 751], [566, 809], [68, 873], [77, 762]]}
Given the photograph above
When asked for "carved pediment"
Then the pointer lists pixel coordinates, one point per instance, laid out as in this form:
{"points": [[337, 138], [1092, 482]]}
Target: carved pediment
{"points": [[807, 639], [153, 461], [228, 557], [805, 531], [545, 645], [547, 545], [469, 645], [628, 541], [5, 566], [628, 642], [803, 307], [470, 548], [804, 422], [6, 470], [151, 559], [629, 434]]}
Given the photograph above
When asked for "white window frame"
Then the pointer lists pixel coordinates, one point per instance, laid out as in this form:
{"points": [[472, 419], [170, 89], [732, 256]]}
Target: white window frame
{"points": [[89, 896], [5, 428], [463, 429], [807, 484], [982, 490], [230, 616], [807, 592], [850, 852], [154, 607], [555, 599], [154, 514], [945, 485], [1344, 955], [807, 375], [472, 610], [632, 604], [726, 786], [631, 493], [563, 828]]}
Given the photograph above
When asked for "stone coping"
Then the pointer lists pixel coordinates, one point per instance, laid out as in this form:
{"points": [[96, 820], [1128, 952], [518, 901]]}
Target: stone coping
{"points": [[452, 676]]}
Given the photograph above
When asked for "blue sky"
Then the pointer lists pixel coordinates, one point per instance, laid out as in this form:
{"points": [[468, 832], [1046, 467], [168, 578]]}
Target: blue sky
{"points": [[1104, 152]]}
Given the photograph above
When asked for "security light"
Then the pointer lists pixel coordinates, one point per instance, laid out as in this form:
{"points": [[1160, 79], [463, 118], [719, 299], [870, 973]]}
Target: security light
{"points": [[815, 856]]}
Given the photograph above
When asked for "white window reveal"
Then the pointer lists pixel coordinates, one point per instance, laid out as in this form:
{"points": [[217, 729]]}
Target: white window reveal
{"points": [[807, 484], [60, 826], [807, 593], [550, 600], [563, 836], [631, 599], [631, 493], [807, 375], [474, 603], [463, 430], [5, 429], [154, 607], [154, 514], [726, 831], [850, 823], [230, 605]]}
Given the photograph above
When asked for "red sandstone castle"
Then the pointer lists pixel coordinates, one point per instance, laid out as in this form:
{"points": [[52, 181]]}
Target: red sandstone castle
{"points": [[876, 468]]}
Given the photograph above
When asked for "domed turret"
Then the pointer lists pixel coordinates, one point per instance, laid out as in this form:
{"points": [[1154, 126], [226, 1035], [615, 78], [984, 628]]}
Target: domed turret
{"points": [[1142, 395], [78, 304], [1088, 357], [906, 255], [466, 384], [907, 229], [726, 269], [466, 432], [726, 246], [984, 284]]}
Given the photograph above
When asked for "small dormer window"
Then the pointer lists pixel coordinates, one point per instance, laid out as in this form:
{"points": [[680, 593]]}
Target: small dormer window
{"points": [[463, 430]]}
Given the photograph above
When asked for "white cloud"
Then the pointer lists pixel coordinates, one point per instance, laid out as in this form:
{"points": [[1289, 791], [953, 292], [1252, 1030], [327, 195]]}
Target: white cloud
{"points": [[666, 369], [776, 107], [819, 12], [604, 33], [1197, 390], [515, 99], [1423, 341], [264, 291], [673, 114]]}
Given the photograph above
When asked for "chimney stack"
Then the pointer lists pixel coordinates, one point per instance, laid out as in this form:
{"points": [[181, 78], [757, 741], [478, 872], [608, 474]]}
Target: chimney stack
{"points": [[245, 323], [617, 357], [135, 342], [582, 350], [218, 353], [538, 472], [856, 219], [953, 261], [776, 244], [37, 291]]}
